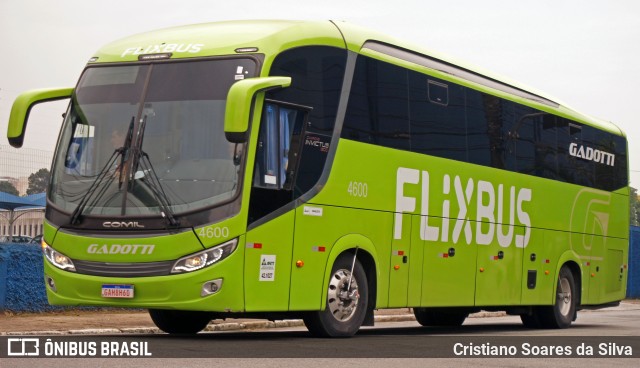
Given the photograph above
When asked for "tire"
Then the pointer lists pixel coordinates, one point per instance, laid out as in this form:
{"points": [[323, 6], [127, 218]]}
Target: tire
{"points": [[344, 310], [563, 311], [438, 317], [179, 322], [530, 320]]}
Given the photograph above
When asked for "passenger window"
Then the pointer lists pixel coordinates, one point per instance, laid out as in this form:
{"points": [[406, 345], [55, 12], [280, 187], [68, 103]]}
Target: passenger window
{"points": [[378, 111], [438, 124]]}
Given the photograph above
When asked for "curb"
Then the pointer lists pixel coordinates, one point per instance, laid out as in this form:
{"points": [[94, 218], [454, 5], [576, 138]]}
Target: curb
{"points": [[225, 326]]}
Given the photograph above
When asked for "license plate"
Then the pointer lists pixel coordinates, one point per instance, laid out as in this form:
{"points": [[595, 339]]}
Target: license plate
{"points": [[117, 291]]}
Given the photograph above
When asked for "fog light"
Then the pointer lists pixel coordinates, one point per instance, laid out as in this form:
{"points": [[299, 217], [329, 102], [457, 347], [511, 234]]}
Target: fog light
{"points": [[51, 284], [211, 287]]}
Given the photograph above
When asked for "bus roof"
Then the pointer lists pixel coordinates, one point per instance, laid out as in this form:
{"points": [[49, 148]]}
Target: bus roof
{"points": [[270, 37]]}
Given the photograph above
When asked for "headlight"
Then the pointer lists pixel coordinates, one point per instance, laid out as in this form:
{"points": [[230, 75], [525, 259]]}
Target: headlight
{"points": [[205, 258], [57, 259]]}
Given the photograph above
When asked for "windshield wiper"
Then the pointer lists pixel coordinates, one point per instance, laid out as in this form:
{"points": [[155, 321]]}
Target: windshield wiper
{"points": [[141, 157], [105, 174], [153, 183]]}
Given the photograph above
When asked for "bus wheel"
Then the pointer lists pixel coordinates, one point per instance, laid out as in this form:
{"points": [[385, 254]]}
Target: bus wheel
{"points": [[179, 322], [439, 317], [530, 320], [346, 302], [561, 314]]}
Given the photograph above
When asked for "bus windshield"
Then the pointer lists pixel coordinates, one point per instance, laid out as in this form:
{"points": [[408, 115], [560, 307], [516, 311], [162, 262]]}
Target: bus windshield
{"points": [[148, 139]]}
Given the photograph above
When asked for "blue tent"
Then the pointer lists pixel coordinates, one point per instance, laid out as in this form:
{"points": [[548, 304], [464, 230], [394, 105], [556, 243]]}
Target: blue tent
{"points": [[12, 202], [38, 199]]}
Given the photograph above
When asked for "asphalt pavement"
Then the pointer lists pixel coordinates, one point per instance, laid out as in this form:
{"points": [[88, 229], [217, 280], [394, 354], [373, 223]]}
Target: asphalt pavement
{"points": [[383, 315]]}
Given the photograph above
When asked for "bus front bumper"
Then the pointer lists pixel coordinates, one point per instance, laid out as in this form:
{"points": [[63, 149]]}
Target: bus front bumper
{"points": [[218, 288]]}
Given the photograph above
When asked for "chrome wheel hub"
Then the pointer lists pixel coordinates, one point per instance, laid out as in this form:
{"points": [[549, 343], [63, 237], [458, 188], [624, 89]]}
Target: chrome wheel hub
{"points": [[564, 296], [343, 297]]}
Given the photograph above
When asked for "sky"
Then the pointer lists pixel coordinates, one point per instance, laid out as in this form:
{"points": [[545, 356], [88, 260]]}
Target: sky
{"points": [[583, 53]]}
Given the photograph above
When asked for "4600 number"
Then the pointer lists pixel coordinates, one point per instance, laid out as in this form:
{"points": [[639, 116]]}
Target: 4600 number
{"points": [[358, 189], [214, 232]]}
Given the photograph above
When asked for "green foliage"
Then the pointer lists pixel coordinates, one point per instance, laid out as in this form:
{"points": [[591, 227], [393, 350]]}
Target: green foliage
{"points": [[38, 181], [7, 187]]}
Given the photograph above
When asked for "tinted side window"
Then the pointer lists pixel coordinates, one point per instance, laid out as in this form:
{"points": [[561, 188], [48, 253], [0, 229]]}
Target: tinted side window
{"points": [[568, 133], [609, 173], [438, 124], [378, 105], [619, 145], [546, 138], [485, 138], [316, 75], [316, 81], [521, 133], [399, 108]]}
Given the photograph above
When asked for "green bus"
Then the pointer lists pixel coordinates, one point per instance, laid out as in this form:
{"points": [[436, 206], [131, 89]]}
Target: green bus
{"points": [[317, 170]]}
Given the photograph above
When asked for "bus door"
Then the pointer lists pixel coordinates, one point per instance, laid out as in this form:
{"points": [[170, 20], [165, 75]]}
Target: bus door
{"points": [[267, 269]]}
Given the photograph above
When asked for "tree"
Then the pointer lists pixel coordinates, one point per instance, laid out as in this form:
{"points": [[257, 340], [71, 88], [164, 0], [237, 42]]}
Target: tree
{"points": [[634, 207], [38, 181], [7, 187]]}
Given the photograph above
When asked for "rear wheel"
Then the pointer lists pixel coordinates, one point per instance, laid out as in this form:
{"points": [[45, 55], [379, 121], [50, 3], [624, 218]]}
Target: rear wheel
{"points": [[440, 317], [179, 322], [346, 305], [562, 313]]}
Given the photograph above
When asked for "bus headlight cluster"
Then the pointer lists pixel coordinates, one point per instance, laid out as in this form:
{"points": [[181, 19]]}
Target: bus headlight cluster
{"points": [[205, 258], [57, 259]]}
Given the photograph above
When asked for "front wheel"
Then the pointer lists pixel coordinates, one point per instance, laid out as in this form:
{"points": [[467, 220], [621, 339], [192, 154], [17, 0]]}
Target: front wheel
{"points": [[180, 322], [347, 297]]}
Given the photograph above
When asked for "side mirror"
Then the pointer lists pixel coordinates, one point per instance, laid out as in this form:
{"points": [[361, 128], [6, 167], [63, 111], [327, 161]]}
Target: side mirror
{"points": [[22, 107], [239, 104]]}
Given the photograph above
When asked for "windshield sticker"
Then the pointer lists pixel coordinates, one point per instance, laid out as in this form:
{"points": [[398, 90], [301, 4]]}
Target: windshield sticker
{"points": [[240, 73], [78, 160], [84, 131], [270, 179], [267, 267]]}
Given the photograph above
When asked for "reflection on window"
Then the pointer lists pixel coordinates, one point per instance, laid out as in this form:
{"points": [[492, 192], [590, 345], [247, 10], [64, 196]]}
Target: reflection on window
{"points": [[181, 107], [276, 132], [456, 122], [79, 160]]}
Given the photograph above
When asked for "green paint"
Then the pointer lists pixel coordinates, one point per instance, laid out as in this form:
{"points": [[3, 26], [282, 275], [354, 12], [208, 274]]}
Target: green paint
{"points": [[439, 232]]}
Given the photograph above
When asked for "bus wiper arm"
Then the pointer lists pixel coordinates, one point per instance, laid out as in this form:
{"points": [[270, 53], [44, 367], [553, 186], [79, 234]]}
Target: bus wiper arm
{"points": [[140, 157], [105, 174], [153, 182], [102, 175], [125, 154]]}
